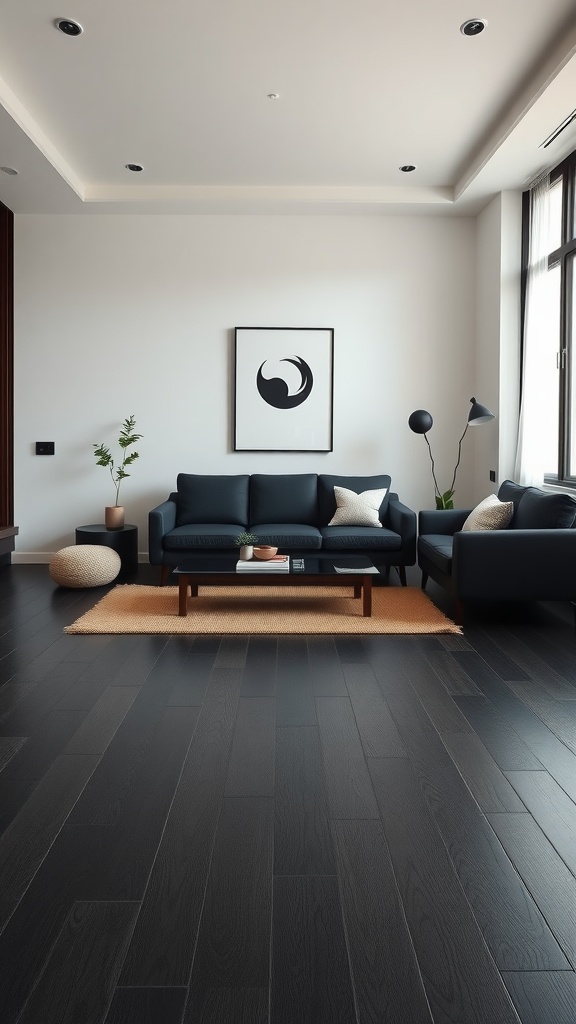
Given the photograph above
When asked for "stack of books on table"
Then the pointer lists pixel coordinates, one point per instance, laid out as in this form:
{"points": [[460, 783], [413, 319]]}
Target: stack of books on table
{"points": [[278, 563]]}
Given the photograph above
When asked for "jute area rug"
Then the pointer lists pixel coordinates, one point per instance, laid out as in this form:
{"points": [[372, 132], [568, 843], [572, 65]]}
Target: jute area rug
{"points": [[132, 608]]}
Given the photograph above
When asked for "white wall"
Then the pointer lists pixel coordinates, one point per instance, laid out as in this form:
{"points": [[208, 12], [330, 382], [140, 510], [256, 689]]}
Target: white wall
{"points": [[135, 314]]}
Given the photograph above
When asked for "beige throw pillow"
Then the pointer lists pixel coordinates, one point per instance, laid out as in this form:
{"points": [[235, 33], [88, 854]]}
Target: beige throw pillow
{"points": [[490, 514], [354, 509]]}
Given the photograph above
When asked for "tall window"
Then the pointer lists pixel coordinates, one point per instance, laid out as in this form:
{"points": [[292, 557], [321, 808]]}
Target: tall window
{"points": [[547, 443]]}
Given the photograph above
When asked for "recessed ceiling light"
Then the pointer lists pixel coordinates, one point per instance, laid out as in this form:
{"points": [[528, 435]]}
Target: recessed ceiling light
{"points": [[473, 27], [68, 27], [134, 167], [407, 168], [273, 96], [8, 170]]}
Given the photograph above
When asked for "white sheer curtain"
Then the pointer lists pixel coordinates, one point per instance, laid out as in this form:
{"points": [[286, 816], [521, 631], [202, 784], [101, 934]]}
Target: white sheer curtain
{"points": [[531, 454]]}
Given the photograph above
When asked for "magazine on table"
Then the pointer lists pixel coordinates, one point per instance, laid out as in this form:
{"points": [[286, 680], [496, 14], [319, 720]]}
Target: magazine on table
{"points": [[278, 563]]}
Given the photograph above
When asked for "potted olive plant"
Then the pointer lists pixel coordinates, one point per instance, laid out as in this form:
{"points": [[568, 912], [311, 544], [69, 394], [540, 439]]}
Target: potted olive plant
{"points": [[114, 514]]}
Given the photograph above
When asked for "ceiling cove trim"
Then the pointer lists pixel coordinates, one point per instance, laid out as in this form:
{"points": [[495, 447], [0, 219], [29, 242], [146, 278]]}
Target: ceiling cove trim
{"points": [[359, 195], [31, 128]]}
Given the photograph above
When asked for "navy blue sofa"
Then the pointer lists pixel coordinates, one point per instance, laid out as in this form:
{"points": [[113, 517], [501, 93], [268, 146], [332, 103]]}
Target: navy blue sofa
{"points": [[291, 511], [533, 559]]}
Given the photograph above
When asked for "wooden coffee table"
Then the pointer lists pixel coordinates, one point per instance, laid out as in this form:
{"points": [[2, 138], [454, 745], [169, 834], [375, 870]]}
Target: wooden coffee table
{"points": [[305, 570]]}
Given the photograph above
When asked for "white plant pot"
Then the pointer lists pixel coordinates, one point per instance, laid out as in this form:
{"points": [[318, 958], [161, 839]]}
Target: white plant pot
{"points": [[246, 552]]}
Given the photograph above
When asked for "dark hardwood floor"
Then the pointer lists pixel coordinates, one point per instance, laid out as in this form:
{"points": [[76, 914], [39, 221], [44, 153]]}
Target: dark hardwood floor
{"points": [[294, 830]]}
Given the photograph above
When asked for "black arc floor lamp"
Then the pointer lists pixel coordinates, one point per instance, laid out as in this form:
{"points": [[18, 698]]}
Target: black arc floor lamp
{"points": [[420, 422]]}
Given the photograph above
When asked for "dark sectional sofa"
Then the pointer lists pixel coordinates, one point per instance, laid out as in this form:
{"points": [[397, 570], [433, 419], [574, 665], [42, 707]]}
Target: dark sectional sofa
{"points": [[533, 559], [291, 511]]}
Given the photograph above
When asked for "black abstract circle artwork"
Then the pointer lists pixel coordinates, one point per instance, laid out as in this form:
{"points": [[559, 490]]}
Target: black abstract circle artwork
{"points": [[275, 391]]}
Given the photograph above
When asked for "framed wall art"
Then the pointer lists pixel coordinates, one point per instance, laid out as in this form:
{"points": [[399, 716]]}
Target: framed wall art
{"points": [[283, 389]]}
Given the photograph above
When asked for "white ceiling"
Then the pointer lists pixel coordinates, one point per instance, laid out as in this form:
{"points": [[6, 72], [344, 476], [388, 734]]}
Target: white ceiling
{"points": [[363, 85]]}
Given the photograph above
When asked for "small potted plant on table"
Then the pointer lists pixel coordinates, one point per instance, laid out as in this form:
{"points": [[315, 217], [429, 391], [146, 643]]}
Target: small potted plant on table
{"points": [[246, 542]]}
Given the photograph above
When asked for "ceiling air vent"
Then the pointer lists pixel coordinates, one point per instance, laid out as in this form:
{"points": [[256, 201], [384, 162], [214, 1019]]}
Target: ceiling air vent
{"points": [[557, 131]]}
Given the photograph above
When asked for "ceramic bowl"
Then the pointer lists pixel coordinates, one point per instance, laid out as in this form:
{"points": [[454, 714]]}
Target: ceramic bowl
{"points": [[264, 551]]}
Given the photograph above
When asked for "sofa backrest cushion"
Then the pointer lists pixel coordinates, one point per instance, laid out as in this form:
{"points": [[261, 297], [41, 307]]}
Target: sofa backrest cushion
{"points": [[284, 498], [203, 498], [510, 491], [544, 510], [327, 483]]}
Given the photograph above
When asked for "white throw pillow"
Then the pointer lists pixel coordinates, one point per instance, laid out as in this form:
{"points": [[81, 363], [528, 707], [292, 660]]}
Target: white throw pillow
{"points": [[490, 514], [357, 509]]}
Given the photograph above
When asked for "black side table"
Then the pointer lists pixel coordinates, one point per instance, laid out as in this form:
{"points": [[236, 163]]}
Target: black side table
{"points": [[124, 541]]}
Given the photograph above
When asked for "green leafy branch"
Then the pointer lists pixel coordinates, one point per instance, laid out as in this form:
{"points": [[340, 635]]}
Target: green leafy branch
{"points": [[104, 457]]}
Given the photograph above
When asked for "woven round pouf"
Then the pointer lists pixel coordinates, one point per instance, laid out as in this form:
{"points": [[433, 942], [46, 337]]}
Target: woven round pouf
{"points": [[85, 565]]}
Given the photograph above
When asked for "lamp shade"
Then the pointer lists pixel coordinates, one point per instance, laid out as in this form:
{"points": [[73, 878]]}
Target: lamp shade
{"points": [[420, 421], [478, 414]]}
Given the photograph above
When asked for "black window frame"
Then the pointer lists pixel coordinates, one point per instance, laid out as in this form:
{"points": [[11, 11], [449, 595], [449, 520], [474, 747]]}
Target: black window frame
{"points": [[565, 257]]}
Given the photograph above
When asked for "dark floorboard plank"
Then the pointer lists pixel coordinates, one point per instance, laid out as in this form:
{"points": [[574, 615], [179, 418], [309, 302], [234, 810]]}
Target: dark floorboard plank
{"points": [[7, 908], [48, 740], [9, 746], [239, 891], [295, 698], [101, 724], [251, 765], [503, 742], [85, 863], [454, 643], [78, 982], [350, 793], [162, 948], [554, 811], [377, 729], [134, 785], [147, 1006], [302, 836], [410, 665], [453, 676], [488, 785], [552, 885], [535, 667], [259, 677], [13, 796], [558, 715], [325, 667], [99, 674], [543, 997], [28, 838], [385, 972], [136, 670], [232, 652], [350, 649], [26, 706], [190, 689], [486, 649], [310, 970], [512, 926], [234, 1005], [461, 981], [553, 755], [555, 646]]}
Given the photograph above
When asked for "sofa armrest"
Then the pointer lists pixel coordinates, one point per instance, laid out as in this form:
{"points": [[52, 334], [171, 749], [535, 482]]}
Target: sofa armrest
{"points": [[402, 520], [440, 521], [161, 520], [515, 565]]}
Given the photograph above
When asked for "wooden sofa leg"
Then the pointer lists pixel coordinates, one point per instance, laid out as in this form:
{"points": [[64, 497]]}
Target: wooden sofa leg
{"points": [[164, 574], [402, 574], [424, 580]]}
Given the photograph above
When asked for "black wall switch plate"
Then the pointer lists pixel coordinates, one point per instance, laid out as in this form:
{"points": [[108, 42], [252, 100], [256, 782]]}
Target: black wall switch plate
{"points": [[44, 447], [493, 475]]}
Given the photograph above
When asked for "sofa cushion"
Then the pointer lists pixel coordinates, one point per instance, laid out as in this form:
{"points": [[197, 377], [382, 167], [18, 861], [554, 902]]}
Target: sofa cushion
{"points": [[490, 514], [203, 498], [287, 535], [284, 498], [354, 509], [327, 501], [360, 538], [544, 510], [202, 535], [437, 548]]}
